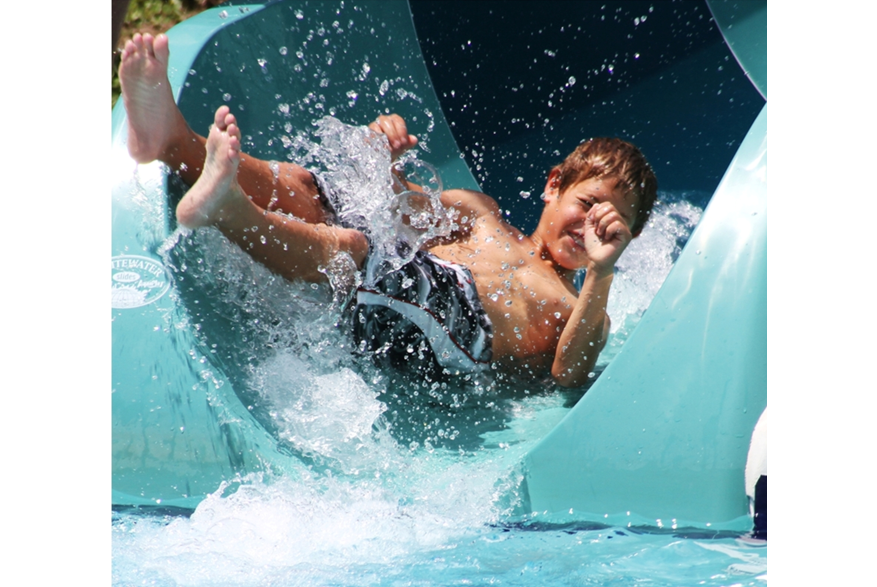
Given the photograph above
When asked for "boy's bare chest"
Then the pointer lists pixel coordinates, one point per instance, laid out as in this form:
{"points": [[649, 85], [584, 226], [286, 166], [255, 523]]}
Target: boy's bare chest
{"points": [[527, 302]]}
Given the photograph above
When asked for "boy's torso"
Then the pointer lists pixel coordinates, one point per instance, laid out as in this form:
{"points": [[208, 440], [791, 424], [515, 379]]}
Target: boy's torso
{"points": [[525, 299]]}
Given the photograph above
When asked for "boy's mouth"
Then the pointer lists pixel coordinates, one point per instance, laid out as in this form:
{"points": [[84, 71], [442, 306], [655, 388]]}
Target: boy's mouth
{"points": [[577, 239]]}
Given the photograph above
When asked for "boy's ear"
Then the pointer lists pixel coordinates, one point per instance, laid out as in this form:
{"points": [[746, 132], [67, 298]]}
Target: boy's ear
{"points": [[552, 186]]}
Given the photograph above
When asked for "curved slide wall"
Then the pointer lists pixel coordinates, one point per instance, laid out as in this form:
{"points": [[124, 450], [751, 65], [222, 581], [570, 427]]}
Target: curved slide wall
{"points": [[179, 427], [666, 429]]}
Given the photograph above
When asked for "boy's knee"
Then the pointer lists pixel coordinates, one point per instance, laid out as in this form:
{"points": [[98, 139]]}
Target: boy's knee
{"points": [[355, 243]]}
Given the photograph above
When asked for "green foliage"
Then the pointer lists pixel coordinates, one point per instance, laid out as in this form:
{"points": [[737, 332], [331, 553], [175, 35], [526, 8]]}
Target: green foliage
{"points": [[148, 14]]}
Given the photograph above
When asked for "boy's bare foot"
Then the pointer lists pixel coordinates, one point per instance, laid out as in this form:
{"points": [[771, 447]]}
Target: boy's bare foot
{"points": [[153, 116], [217, 187]]}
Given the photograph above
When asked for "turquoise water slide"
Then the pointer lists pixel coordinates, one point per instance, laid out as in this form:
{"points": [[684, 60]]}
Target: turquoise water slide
{"points": [[178, 427], [664, 430]]}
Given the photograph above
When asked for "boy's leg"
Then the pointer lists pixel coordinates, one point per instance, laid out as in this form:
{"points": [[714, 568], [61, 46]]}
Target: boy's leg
{"points": [[157, 130], [292, 248]]}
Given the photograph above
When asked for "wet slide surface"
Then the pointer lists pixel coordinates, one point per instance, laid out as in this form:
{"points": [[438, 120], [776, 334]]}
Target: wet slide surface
{"points": [[511, 87]]}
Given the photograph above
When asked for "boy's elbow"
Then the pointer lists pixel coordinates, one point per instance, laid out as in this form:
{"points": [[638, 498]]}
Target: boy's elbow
{"points": [[572, 371], [568, 376]]}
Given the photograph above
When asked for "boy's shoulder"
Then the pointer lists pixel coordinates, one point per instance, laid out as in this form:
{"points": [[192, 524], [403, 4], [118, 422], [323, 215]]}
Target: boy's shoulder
{"points": [[471, 201]]}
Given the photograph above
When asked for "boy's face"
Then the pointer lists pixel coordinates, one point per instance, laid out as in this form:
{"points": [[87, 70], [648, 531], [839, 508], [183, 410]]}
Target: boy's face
{"points": [[565, 215]]}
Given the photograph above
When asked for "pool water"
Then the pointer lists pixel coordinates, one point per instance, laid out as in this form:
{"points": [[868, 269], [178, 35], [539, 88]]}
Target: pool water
{"points": [[396, 481], [337, 532]]}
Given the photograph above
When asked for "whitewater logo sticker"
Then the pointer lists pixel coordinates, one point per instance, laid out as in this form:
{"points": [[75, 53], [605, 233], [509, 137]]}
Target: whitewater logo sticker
{"points": [[138, 281]]}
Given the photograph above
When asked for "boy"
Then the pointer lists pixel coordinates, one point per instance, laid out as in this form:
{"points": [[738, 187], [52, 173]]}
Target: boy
{"points": [[485, 294]]}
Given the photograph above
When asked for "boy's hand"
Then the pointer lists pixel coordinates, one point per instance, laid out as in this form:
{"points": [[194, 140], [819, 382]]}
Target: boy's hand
{"points": [[606, 237], [394, 127]]}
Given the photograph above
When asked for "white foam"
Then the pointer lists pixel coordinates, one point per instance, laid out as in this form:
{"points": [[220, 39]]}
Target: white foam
{"points": [[645, 264]]}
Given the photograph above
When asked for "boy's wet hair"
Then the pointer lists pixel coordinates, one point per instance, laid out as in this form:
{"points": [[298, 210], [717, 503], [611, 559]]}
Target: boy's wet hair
{"points": [[611, 157]]}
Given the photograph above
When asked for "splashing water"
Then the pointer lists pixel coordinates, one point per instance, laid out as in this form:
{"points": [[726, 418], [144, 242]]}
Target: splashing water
{"points": [[366, 195], [644, 266], [390, 480]]}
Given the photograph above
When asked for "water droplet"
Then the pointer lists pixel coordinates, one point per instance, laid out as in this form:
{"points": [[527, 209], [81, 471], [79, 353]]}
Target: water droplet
{"points": [[226, 97], [223, 15], [557, 315], [508, 302], [525, 194], [283, 50], [299, 14]]}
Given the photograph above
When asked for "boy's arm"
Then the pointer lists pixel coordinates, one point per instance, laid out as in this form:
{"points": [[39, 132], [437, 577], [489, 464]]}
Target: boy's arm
{"points": [[469, 204], [394, 128], [584, 336], [468, 207]]}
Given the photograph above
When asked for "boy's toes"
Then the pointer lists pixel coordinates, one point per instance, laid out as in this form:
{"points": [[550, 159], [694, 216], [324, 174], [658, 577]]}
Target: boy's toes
{"points": [[229, 121], [128, 50], [147, 45], [160, 48], [233, 131], [219, 117], [234, 143]]}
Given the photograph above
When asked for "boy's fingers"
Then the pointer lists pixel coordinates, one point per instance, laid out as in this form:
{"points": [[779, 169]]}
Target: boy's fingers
{"points": [[619, 230], [609, 218], [399, 132], [396, 131], [607, 221], [603, 215]]}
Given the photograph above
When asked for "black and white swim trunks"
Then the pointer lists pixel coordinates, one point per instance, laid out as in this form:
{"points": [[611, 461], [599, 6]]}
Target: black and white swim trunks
{"points": [[425, 314]]}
